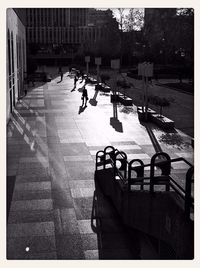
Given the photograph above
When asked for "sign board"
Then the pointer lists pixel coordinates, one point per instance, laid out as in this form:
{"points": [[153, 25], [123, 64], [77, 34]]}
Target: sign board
{"points": [[145, 69], [98, 61], [87, 58], [115, 64]]}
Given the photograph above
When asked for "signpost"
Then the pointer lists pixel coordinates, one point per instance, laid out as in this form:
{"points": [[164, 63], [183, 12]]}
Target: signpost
{"points": [[98, 63], [87, 60], [115, 64], [145, 70]]}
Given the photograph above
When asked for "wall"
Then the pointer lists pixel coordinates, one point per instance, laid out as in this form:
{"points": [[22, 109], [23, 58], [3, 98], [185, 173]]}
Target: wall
{"points": [[15, 60]]}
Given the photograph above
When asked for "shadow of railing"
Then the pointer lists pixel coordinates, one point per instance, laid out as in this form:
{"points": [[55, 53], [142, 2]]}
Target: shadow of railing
{"points": [[115, 240]]}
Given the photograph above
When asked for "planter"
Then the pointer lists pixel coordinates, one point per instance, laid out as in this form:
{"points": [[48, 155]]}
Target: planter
{"points": [[91, 80], [114, 98], [102, 87], [126, 101], [142, 113], [162, 121]]}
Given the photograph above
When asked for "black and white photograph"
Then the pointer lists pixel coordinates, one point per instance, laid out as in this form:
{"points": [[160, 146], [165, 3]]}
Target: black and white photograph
{"points": [[99, 133]]}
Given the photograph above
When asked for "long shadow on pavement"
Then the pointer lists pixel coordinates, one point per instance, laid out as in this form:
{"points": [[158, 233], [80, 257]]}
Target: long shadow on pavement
{"points": [[114, 121], [115, 241]]}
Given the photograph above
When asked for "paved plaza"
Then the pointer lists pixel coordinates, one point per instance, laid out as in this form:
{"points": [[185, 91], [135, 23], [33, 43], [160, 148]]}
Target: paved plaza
{"points": [[55, 211]]}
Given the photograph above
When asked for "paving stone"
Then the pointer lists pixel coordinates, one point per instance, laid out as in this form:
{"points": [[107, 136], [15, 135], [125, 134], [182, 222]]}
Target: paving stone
{"points": [[91, 254], [42, 204], [82, 192], [82, 184], [30, 229], [89, 242], [40, 159], [65, 221], [69, 247], [83, 208], [34, 172], [85, 173], [75, 149], [85, 226], [30, 195], [62, 198], [31, 178], [89, 165], [17, 247], [52, 139], [85, 158], [138, 156], [33, 186], [30, 216]]}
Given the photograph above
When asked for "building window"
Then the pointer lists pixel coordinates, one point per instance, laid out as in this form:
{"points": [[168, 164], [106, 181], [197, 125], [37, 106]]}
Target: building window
{"points": [[9, 58]]}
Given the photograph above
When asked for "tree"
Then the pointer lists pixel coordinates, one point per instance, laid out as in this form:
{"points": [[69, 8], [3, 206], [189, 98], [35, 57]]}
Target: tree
{"points": [[134, 20], [107, 43], [121, 18], [167, 30], [121, 24], [159, 101], [104, 77], [123, 84]]}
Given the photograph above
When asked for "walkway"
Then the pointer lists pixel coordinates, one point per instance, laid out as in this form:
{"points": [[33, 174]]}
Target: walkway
{"points": [[51, 147]]}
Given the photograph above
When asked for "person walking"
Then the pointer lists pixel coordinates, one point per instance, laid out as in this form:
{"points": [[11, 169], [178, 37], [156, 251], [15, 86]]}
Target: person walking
{"points": [[75, 80], [84, 96], [61, 73], [82, 76]]}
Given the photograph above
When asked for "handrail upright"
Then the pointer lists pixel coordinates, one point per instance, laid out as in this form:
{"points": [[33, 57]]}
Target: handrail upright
{"points": [[188, 188], [166, 169], [139, 171]]}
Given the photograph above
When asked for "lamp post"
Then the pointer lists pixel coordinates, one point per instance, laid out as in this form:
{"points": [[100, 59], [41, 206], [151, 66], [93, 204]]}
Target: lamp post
{"points": [[115, 65], [145, 70]]}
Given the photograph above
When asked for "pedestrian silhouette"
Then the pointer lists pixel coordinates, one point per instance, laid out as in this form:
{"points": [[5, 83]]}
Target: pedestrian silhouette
{"points": [[60, 72], [75, 80], [84, 97]]}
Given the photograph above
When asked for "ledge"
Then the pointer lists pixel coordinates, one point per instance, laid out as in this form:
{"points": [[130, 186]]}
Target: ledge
{"points": [[163, 121], [142, 113], [102, 87], [125, 100]]}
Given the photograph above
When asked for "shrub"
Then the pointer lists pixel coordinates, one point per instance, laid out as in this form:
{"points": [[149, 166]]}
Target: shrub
{"points": [[123, 84], [159, 101], [104, 78]]}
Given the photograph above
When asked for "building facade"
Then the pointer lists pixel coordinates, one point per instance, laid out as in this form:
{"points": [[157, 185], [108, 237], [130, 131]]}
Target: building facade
{"points": [[16, 59], [61, 32]]}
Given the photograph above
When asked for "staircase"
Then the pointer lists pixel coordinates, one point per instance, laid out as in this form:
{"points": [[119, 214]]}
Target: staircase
{"points": [[148, 198]]}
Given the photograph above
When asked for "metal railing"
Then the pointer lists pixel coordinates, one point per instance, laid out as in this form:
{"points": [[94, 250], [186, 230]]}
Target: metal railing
{"points": [[113, 158]]}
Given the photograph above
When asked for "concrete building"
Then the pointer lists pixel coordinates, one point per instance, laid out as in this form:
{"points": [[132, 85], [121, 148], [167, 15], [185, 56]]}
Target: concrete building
{"points": [[59, 33], [16, 58], [54, 25]]}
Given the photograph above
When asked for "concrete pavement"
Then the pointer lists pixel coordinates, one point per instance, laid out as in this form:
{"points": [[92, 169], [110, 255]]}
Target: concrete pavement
{"points": [[51, 147]]}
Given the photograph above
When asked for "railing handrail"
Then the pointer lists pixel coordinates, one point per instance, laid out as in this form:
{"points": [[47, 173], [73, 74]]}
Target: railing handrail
{"points": [[170, 182], [178, 159]]}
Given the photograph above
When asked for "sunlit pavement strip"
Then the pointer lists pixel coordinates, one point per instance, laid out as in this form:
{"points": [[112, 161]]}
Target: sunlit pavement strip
{"points": [[51, 147]]}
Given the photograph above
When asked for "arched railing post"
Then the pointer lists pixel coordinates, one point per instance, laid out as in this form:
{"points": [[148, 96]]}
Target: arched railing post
{"points": [[165, 167], [139, 171]]}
